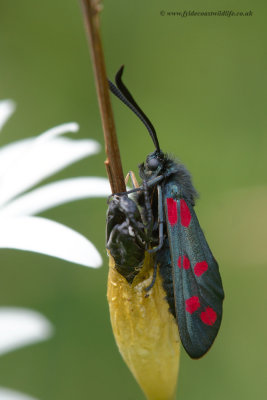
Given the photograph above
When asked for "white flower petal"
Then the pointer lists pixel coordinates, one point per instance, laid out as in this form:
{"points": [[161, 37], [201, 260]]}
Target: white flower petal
{"points": [[56, 193], [7, 107], [20, 327], [7, 394], [57, 131], [11, 152], [43, 236], [38, 162]]}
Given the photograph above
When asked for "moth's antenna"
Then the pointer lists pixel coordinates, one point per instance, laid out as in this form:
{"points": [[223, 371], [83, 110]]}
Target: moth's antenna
{"points": [[125, 96]]}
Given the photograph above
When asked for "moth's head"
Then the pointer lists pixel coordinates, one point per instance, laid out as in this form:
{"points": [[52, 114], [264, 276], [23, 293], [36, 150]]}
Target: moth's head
{"points": [[153, 165]]}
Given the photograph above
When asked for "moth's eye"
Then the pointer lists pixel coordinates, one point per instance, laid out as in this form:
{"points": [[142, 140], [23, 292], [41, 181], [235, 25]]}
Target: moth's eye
{"points": [[153, 164]]}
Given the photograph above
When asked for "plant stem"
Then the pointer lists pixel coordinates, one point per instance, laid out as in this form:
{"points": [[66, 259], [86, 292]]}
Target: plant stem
{"points": [[113, 165]]}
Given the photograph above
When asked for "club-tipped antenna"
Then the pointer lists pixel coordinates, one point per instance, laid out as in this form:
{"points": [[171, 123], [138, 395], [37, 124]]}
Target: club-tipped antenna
{"points": [[125, 96]]}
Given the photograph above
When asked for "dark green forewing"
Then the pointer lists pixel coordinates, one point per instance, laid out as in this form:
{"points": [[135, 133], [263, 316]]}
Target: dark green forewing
{"points": [[197, 283]]}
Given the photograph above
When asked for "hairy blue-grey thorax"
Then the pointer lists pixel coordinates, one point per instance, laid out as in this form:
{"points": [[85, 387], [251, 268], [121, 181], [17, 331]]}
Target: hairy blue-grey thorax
{"points": [[172, 171]]}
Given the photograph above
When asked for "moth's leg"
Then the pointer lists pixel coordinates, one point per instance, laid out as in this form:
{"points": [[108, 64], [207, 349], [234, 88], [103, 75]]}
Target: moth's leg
{"points": [[149, 215], [150, 183], [155, 181], [153, 278], [133, 179], [160, 221], [134, 183]]}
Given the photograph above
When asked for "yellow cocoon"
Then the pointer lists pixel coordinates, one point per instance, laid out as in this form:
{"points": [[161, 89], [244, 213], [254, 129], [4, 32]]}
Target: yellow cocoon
{"points": [[145, 331]]}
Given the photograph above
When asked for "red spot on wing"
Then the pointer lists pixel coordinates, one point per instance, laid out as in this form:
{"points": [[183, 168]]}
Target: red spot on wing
{"points": [[172, 211], [185, 213], [186, 263], [200, 268], [208, 316], [192, 304]]}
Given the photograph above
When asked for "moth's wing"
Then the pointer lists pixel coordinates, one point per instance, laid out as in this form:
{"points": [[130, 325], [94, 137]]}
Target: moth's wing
{"points": [[197, 283]]}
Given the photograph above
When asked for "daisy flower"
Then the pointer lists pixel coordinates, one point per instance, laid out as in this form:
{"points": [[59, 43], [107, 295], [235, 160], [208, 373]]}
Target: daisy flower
{"points": [[24, 164]]}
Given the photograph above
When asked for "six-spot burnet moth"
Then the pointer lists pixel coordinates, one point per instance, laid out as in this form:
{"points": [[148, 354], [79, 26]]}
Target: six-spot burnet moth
{"points": [[159, 217]]}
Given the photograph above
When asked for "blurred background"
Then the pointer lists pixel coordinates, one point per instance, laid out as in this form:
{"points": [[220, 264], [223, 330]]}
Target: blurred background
{"points": [[202, 82]]}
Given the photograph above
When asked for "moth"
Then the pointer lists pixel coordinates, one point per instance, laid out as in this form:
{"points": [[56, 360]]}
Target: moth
{"points": [[158, 216]]}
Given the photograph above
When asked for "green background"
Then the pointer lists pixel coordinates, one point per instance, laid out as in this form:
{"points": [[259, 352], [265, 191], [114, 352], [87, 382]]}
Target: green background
{"points": [[202, 81]]}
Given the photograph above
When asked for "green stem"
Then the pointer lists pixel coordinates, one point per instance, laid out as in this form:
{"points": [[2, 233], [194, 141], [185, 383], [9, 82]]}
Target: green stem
{"points": [[91, 10]]}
